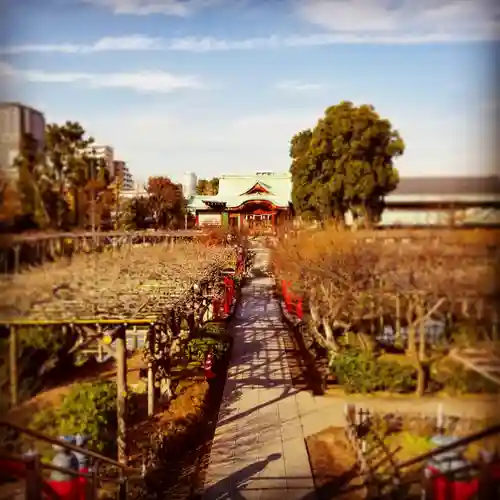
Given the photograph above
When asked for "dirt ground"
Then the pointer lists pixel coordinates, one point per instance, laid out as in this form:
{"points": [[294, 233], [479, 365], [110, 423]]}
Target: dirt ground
{"points": [[333, 465]]}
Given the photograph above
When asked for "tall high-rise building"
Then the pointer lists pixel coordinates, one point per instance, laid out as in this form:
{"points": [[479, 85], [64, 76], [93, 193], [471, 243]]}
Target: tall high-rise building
{"points": [[123, 175], [16, 121]]}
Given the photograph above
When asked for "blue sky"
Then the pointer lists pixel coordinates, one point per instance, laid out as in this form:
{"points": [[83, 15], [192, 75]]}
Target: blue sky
{"points": [[220, 86]]}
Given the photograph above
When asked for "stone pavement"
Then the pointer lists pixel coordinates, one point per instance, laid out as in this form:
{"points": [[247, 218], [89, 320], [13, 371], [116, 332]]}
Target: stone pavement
{"points": [[259, 452]]}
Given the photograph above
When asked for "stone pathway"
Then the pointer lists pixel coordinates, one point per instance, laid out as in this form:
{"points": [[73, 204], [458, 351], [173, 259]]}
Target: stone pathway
{"points": [[259, 450]]}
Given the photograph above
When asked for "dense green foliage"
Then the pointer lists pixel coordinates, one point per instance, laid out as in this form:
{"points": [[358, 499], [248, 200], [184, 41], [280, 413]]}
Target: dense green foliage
{"points": [[213, 337], [198, 348], [361, 372], [208, 187], [68, 186], [89, 408], [345, 164], [65, 185]]}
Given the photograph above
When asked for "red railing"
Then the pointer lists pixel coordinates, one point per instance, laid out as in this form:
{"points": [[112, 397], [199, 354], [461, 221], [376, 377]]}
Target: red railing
{"points": [[81, 484], [293, 301], [222, 306]]}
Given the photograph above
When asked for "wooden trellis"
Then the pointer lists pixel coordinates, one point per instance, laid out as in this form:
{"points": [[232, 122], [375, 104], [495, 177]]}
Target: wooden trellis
{"points": [[18, 249], [100, 313], [484, 360]]}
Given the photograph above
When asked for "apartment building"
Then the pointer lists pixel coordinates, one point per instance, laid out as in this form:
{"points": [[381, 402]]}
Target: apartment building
{"points": [[106, 153], [17, 120], [122, 173]]}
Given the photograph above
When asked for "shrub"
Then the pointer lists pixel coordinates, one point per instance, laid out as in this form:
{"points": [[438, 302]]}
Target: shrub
{"points": [[89, 408], [197, 348], [361, 372]]}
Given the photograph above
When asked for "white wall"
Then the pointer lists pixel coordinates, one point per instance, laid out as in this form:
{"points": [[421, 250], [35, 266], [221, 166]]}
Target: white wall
{"points": [[209, 219]]}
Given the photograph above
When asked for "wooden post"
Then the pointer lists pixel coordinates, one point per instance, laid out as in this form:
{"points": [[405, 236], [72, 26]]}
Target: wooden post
{"points": [[465, 308], [151, 340], [494, 326], [121, 395], [372, 314], [13, 356], [135, 339], [17, 251], [479, 309], [32, 478], [398, 317]]}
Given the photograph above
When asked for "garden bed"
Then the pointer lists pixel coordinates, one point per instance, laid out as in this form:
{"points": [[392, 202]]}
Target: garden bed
{"points": [[333, 465], [180, 438]]}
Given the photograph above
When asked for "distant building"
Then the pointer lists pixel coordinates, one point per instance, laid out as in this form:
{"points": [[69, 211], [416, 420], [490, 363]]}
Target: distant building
{"points": [[264, 200], [122, 175], [189, 181], [105, 153], [138, 191], [444, 201], [17, 120], [259, 201]]}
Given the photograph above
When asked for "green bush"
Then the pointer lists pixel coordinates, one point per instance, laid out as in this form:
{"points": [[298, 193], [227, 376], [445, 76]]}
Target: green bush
{"points": [[361, 372], [89, 408], [197, 348], [214, 328]]}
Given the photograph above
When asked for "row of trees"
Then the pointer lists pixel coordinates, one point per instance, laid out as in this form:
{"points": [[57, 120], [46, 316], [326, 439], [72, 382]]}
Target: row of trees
{"points": [[66, 186], [353, 288], [345, 163]]}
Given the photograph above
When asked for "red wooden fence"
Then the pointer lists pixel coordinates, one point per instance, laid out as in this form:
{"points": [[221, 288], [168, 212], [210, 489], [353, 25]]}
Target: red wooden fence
{"points": [[293, 302]]}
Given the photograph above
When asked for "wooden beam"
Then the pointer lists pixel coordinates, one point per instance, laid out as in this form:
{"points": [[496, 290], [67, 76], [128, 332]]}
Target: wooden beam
{"points": [[454, 354]]}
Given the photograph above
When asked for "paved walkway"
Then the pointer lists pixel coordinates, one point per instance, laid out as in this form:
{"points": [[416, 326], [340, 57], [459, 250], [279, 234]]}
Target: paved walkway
{"points": [[259, 451]]}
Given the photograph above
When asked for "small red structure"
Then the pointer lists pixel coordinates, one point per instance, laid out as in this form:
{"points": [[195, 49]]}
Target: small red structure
{"points": [[293, 303], [207, 366], [228, 294], [446, 488]]}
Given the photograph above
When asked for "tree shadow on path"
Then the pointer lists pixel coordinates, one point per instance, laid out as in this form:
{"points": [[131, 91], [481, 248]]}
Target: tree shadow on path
{"points": [[230, 487]]}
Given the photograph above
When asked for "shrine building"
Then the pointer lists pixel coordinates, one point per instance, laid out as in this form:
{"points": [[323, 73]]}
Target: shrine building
{"points": [[263, 201], [260, 201]]}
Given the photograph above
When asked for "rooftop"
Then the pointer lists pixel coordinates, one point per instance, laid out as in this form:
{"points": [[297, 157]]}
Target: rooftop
{"points": [[448, 185]]}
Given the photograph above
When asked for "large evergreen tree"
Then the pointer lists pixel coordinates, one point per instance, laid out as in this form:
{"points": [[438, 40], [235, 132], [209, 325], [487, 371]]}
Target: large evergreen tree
{"points": [[345, 163]]}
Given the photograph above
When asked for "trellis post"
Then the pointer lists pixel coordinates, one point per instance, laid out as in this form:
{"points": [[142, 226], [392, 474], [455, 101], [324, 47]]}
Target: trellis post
{"points": [[13, 375], [121, 396], [151, 340], [398, 316], [494, 327]]}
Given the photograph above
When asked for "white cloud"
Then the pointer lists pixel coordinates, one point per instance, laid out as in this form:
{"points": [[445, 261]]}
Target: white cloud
{"points": [[407, 19], [179, 141], [128, 43], [178, 8], [294, 86], [142, 81], [137, 43]]}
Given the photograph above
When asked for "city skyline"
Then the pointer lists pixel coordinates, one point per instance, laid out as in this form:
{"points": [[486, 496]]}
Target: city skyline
{"points": [[219, 87]]}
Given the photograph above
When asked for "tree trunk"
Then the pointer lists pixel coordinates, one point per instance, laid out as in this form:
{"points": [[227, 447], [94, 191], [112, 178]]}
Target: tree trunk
{"points": [[367, 342], [330, 338], [411, 349], [423, 371]]}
